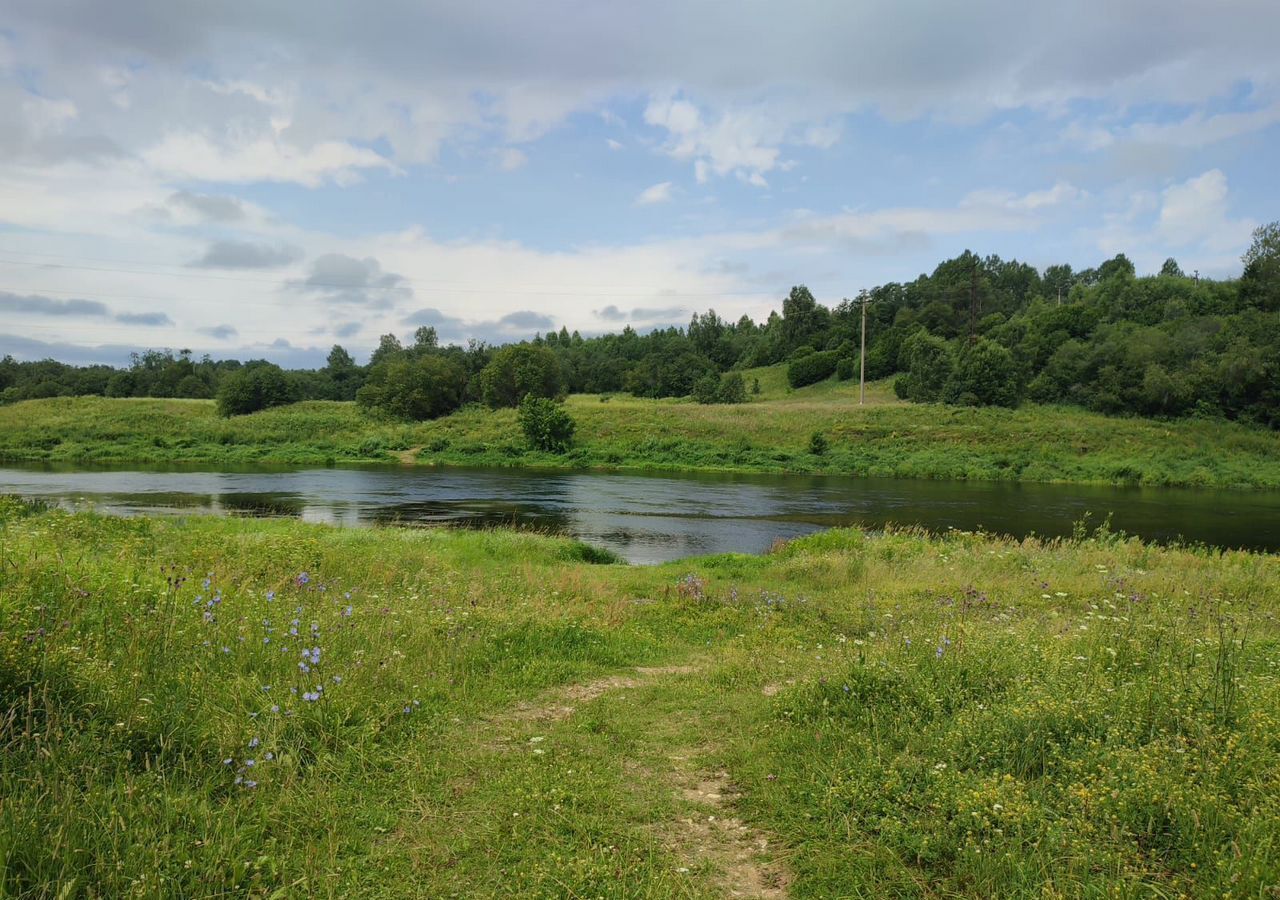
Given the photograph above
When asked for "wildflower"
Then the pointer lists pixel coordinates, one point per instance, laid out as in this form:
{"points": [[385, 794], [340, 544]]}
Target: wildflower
{"points": [[337, 679], [303, 578], [250, 763], [253, 742], [227, 762], [270, 756], [275, 707], [346, 613], [271, 595]]}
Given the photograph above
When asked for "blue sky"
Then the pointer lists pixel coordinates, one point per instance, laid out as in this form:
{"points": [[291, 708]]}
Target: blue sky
{"points": [[268, 178]]}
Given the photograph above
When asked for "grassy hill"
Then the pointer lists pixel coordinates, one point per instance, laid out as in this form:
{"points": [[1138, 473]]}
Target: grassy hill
{"points": [[771, 433]]}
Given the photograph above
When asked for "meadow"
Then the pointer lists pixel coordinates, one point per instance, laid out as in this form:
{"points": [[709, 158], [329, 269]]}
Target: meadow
{"points": [[213, 707], [771, 433]]}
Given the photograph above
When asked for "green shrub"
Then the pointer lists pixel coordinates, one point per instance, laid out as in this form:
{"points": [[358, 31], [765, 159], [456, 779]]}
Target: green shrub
{"points": [[546, 424], [407, 388], [728, 388], [812, 368], [706, 389], [520, 370], [818, 444], [732, 389], [985, 375], [844, 369], [255, 387], [929, 364]]}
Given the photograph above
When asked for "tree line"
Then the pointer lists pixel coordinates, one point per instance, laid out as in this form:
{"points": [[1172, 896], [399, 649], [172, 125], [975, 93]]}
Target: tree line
{"points": [[977, 330]]}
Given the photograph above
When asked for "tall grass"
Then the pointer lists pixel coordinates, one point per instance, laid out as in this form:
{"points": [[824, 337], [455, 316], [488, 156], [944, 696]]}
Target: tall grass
{"points": [[902, 714]]}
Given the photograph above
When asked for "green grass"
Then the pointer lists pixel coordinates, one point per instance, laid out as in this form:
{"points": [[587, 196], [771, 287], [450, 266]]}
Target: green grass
{"points": [[769, 434], [899, 715]]}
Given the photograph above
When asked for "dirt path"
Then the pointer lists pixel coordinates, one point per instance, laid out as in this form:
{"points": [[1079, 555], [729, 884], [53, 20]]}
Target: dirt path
{"points": [[738, 853], [408, 457], [740, 860]]}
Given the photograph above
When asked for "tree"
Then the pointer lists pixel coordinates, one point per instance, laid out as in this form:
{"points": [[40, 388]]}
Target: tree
{"points": [[985, 375], [388, 346], [253, 388], [1117, 265], [1260, 283], [929, 368], [517, 371], [416, 389], [812, 368], [1171, 269], [546, 424]]}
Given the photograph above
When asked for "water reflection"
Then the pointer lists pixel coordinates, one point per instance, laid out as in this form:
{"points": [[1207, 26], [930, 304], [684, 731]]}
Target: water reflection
{"points": [[649, 518]]}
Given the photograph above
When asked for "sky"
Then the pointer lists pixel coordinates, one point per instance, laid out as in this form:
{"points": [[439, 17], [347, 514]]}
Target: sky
{"points": [[262, 179]]}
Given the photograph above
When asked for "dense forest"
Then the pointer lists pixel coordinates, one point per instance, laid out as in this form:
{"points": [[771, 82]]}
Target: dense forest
{"points": [[977, 330]]}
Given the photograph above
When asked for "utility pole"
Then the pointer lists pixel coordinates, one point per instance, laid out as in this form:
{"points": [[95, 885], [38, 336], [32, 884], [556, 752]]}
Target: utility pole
{"points": [[973, 301], [863, 299]]}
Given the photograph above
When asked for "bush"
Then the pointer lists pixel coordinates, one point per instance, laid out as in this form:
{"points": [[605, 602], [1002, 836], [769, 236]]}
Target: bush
{"points": [[706, 389], [812, 368], [728, 388], [929, 367], [844, 369], [424, 388], [253, 388], [985, 375], [546, 424], [732, 389], [517, 371], [818, 443]]}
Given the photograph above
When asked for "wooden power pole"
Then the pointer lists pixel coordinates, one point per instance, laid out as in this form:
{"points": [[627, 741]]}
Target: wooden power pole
{"points": [[863, 299]]}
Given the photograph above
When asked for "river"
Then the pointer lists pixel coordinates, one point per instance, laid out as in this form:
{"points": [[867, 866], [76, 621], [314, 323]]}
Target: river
{"points": [[655, 517]]}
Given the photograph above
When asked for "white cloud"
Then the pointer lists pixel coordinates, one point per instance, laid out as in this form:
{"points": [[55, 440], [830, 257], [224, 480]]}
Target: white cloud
{"points": [[612, 144], [657, 193], [194, 157], [1194, 212]]}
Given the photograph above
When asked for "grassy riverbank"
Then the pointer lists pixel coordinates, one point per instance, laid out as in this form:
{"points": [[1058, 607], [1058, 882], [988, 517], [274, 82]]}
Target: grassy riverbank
{"points": [[769, 434], [488, 714]]}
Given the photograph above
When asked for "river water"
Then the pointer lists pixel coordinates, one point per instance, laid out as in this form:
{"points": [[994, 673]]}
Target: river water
{"points": [[650, 518]]}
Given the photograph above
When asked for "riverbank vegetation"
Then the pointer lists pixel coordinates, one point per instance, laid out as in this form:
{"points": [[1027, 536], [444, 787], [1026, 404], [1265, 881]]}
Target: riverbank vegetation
{"points": [[977, 331], [268, 708], [772, 432]]}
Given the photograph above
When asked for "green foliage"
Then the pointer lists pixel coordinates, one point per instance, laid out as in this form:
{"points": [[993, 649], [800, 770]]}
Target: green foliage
{"points": [[929, 364], [727, 388], [985, 375], [846, 368], [1260, 284], [546, 424], [520, 370], [413, 389], [812, 368], [818, 444], [253, 388]]}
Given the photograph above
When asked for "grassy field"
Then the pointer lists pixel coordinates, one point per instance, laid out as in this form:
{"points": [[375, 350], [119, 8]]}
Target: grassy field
{"points": [[222, 707], [770, 434]]}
